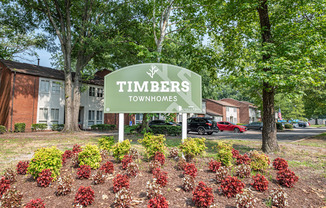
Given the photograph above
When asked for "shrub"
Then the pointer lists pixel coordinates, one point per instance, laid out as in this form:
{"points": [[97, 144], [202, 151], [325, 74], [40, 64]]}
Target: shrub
{"points": [[221, 174], [120, 181], [231, 186], [10, 175], [192, 147], [243, 171], [57, 127], [181, 164], [158, 201], [64, 185], [108, 167], [132, 170], [103, 127], [288, 126], [224, 153], [174, 152], [134, 154], [280, 164], [2, 129], [76, 149], [246, 199], [132, 129], [104, 154], [99, 177], [154, 164], [260, 182], [36, 127], [286, 177], [243, 159], [162, 178], [120, 149], [11, 199], [235, 153], [22, 167], [125, 161], [84, 171], [159, 156], [20, 127], [153, 188], [123, 199], [4, 186], [84, 196], [259, 161], [213, 165], [203, 195], [279, 126], [90, 156], [153, 144], [46, 158], [65, 155], [166, 130], [278, 198], [156, 171], [44, 178], [106, 143], [35, 203], [188, 183], [190, 169]]}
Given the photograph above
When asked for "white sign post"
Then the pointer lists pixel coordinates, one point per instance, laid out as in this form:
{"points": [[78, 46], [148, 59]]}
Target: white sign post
{"points": [[121, 126], [184, 126]]}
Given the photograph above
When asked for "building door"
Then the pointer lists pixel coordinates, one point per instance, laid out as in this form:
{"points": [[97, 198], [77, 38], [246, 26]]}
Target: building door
{"points": [[81, 117]]}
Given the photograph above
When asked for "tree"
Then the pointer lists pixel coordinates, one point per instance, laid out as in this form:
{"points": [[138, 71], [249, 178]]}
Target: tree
{"points": [[274, 46], [314, 102]]}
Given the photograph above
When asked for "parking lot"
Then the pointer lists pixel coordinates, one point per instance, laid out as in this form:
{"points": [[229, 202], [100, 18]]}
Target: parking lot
{"points": [[286, 135]]}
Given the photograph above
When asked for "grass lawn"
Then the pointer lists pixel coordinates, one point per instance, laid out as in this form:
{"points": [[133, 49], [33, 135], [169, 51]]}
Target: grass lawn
{"points": [[317, 126], [308, 156]]}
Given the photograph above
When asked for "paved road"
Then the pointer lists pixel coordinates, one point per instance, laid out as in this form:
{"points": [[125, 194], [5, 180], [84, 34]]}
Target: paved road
{"points": [[288, 135]]}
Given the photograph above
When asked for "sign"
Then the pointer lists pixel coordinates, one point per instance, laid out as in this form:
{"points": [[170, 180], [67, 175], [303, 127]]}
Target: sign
{"points": [[152, 88]]}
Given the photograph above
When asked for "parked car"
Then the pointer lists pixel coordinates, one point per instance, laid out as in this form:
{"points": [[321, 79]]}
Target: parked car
{"points": [[161, 122], [303, 124], [255, 125], [228, 126], [202, 125], [295, 125]]}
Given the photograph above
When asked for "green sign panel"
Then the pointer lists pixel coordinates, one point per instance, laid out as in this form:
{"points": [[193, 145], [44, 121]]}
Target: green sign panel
{"points": [[152, 88]]}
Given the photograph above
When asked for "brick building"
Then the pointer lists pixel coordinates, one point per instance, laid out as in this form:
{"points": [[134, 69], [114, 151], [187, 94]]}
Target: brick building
{"points": [[248, 112], [34, 94], [222, 111]]}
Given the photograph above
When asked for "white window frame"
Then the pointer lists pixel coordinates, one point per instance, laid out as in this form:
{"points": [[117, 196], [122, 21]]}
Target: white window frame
{"points": [[99, 118], [234, 110], [99, 92], [56, 87], [44, 88], [43, 117], [91, 117], [91, 91], [227, 109], [139, 119]]}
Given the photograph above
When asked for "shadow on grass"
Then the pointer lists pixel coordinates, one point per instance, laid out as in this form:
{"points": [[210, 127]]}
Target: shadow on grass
{"points": [[243, 148]]}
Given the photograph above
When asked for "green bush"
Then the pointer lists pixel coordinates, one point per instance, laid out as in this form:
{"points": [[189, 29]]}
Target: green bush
{"points": [[153, 144], [106, 143], [90, 155], [40, 126], [288, 126], [46, 158], [20, 127], [132, 129], [192, 147], [57, 127], [279, 126], [259, 161], [103, 127], [224, 153], [2, 129], [166, 129], [121, 149]]}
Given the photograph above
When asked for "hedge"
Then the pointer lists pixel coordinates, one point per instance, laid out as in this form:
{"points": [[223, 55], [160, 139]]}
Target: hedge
{"points": [[279, 126], [57, 127], [166, 129], [39, 126], [102, 127], [20, 127], [2, 129], [288, 126]]}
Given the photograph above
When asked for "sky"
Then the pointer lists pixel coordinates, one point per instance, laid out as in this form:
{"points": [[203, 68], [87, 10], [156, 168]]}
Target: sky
{"points": [[44, 56]]}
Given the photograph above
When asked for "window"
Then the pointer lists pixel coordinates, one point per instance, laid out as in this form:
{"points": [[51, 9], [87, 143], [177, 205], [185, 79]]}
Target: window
{"points": [[99, 92], [54, 115], [227, 118], [92, 91], [99, 115], [139, 118], [44, 87], [234, 110], [227, 109], [43, 115], [91, 117], [56, 87]]}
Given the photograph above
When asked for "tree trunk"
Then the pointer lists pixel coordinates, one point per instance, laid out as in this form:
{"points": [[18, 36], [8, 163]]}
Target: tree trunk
{"points": [[269, 143], [76, 101], [68, 103]]}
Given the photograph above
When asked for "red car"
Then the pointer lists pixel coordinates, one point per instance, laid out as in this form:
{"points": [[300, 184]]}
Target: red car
{"points": [[228, 126]]}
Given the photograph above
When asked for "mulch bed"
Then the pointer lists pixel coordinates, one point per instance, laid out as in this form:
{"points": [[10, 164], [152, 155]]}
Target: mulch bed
{"points": [[305, 193]]}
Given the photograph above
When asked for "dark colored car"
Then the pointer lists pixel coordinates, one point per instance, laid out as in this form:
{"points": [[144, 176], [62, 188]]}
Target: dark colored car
{"points": [[162, 122], [303, 124], [228, 126], [255, 125], [202, 125]]}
